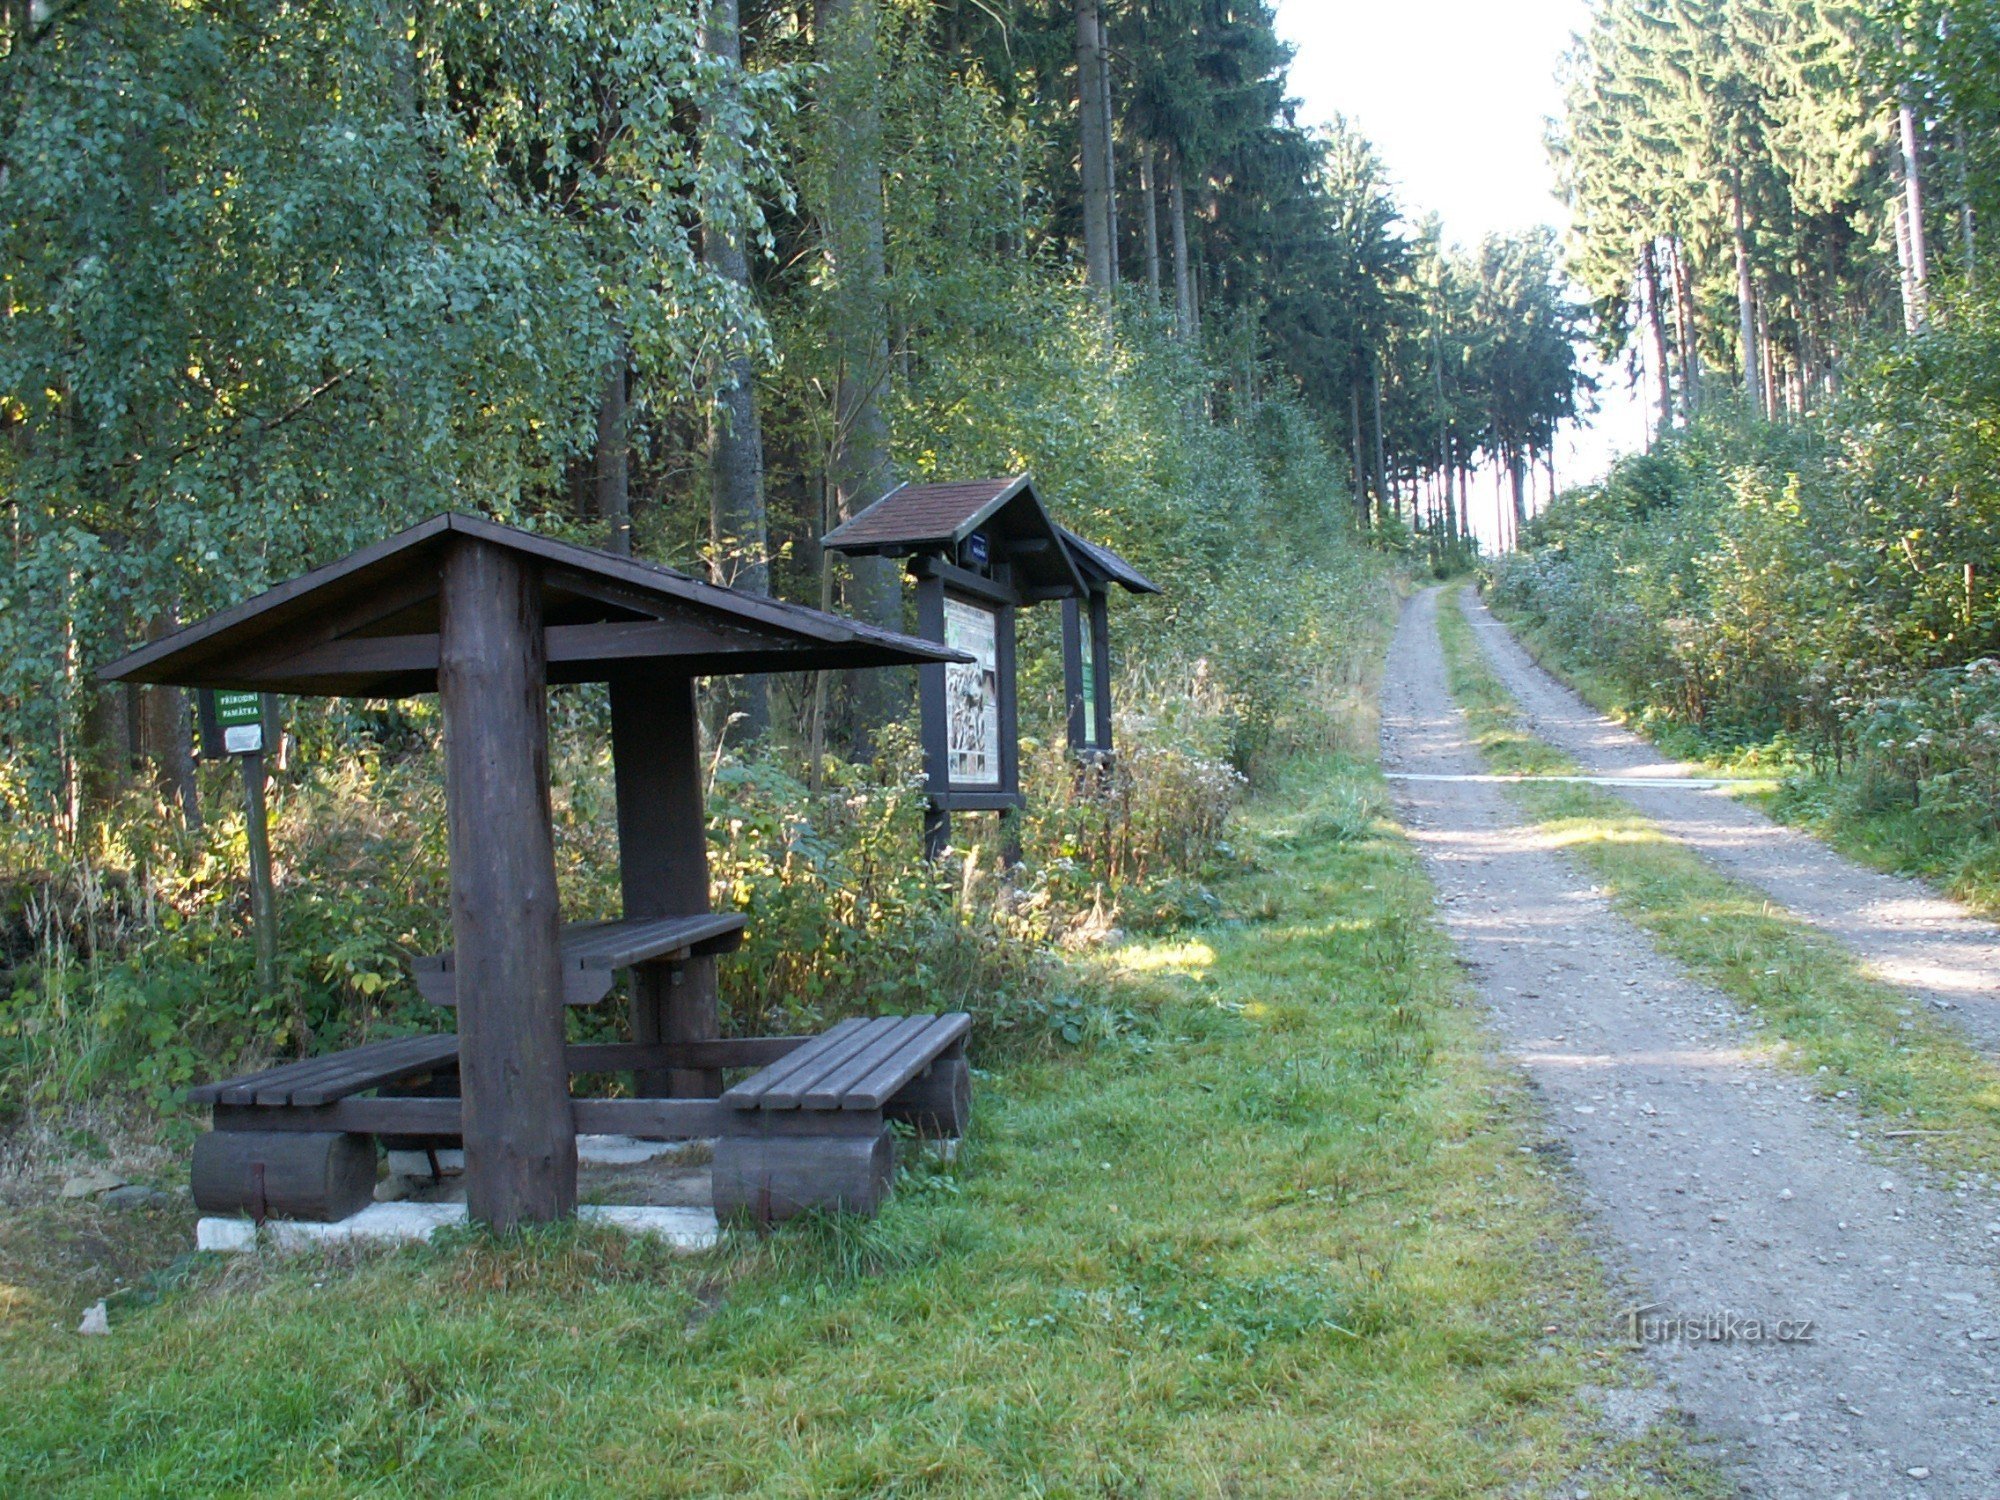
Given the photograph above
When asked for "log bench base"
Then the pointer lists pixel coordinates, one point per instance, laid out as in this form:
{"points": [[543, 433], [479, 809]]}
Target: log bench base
{"points": [[811, 1131]]}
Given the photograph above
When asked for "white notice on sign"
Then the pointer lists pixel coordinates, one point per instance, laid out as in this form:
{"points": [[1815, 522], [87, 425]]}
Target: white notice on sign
{"points": [[243, 739], [972, 691]]}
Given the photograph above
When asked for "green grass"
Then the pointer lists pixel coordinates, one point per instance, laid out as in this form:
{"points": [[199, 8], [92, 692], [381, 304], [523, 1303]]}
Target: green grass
{"points": [[1283, 1236], [1858, 1038], [1878, 827]]}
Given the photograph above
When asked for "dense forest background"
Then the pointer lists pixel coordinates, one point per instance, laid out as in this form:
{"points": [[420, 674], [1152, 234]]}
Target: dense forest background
{"points": [[694, 281], [1784, 214]]}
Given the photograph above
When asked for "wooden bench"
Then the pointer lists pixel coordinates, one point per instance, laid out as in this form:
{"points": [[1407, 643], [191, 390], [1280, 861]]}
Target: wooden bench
{"points": [[812, 1131], [593, 953]]}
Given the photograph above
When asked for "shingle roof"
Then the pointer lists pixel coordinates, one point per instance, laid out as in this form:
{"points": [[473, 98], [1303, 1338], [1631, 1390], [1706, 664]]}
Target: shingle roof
{"points": [[926, 515], [366, 626], [1105, 565], [918, 518]]}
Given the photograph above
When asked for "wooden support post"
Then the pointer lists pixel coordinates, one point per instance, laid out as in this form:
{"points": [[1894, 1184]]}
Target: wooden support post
{"points": [[1100, 657], [1010, 723], [1073, 684], [263, 892], [520, 1136], [934, 710], [663, 865]]}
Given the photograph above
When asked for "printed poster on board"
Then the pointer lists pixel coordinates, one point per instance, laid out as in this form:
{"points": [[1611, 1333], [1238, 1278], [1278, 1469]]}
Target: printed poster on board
{"points": [[972, 692]]}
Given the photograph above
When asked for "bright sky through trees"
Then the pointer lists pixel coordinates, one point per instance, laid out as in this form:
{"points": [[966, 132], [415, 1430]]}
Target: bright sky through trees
{"points": [[1456, 95]]}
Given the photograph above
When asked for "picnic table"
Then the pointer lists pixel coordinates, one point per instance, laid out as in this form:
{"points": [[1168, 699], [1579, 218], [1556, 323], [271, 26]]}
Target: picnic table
{"points": [[488, 617]]}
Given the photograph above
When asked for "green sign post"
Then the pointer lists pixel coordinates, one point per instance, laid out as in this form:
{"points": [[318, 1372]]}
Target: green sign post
{"points": [[243, 719]]}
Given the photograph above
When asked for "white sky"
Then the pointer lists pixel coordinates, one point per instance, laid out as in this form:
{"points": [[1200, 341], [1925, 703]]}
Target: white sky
{"points": [[1457, 95]]}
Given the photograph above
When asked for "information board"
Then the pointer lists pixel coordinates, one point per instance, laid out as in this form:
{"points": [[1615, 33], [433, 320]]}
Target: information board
{"points": [[972, 692]]}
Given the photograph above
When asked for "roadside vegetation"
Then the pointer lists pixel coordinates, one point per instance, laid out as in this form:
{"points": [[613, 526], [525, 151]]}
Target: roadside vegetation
{"points": [[1856, 1039], [1783, 214]]}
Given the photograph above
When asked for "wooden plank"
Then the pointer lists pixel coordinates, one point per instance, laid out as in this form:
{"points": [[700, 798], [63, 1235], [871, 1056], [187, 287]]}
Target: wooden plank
{"points": [[874, 1089], [653, 1119], [244, 1089], [520, 1137], [750, 1092], [831, 1087], [331, 1068], [728, 1052], [437, 982], [423, 1053], [395, 1116], [592, 951], [790, 1092]]}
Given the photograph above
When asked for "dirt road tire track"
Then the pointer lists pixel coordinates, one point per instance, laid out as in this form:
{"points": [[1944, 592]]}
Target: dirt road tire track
{"points": [[1720, 1186], [1902, 931]]}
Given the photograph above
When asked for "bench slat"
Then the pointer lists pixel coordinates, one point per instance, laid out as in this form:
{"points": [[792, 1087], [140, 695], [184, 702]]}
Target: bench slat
{"points": [[593, 951], [388, 1059], [244, 1090], [802, 1066], [428, 1053], [827, 1091], [875, 1090]]}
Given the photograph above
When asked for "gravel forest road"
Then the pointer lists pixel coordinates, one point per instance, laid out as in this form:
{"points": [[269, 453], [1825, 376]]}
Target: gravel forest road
{"points": [[1903, 932], [1722, 1189]]}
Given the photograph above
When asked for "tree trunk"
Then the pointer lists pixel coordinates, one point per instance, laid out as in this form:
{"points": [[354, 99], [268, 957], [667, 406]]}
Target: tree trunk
{"points": [[1383, 499], [1517, 473], [614, 489], [170, 737], [1095, 159], [1110, 114], [1684, 325], [851, 225], [1746, 307], [1649, 296], [1183, 272], [1968, 222], [1913, 198], [739, 541], [1360, 461], [1150, 220]]}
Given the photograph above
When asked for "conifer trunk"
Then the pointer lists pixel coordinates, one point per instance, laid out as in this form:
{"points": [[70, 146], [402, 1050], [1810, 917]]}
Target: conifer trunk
{"points": [[1649, 295], [1685, 326], [847, 40], [1150, 220], [1183, 272], [1746, 305], [1094, 164], [613, 491], [738, 537]]}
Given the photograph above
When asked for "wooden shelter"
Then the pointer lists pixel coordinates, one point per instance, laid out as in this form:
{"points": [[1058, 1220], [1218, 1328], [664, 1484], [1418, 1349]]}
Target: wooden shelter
{"points": [[979, 551], [1087, 642], [488, 616]]}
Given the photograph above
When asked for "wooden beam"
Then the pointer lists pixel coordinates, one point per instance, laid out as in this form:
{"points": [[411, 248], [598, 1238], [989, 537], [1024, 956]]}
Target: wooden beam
{"points": [[663, 863], [1100, 655], [520, 1135], [1072, 658], [356, 656], [728, 1052]]}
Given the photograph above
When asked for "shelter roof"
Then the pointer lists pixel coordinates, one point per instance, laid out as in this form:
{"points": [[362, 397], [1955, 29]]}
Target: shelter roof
{"points": [[917, 518], [367, 625], [1103, 566]]}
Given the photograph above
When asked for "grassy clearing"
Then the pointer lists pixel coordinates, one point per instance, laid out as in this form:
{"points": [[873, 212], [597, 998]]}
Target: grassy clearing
{"points": [[1878, 826], [1859, 1039], [1275, 1231]]}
